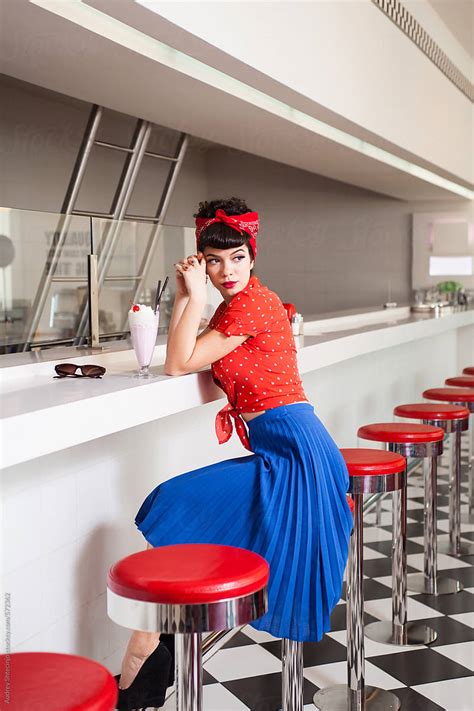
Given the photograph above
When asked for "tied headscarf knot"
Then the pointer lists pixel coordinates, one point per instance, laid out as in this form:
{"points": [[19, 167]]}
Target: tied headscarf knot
{"points": [[246, 222]]}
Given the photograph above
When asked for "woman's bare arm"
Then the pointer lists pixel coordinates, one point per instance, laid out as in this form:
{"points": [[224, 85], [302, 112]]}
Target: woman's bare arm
{"points": [[186, 352], [178, 309], [207, 349]]}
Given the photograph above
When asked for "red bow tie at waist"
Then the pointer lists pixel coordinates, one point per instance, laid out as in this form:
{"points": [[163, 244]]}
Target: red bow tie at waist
{"points": [[224, 425]]}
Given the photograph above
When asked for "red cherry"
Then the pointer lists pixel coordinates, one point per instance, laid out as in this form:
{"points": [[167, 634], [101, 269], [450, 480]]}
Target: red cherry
{"points": [[135, 307]]}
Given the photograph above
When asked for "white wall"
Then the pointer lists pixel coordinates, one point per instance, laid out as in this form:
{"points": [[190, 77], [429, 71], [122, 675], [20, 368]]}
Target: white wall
{"points": [[350, 58], [324, 245]]}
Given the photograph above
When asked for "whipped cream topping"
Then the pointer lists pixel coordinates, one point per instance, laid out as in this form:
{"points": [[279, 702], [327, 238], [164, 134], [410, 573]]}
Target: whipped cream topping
{"points": [[144, 317]]}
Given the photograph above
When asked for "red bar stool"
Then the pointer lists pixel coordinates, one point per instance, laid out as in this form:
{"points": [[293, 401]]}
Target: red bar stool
{"points": [[450, 418], [409, 440], [370, 471], [185, 590], [461, 381], [467, 381], [56, 682], [465, 398], [469, 370]]}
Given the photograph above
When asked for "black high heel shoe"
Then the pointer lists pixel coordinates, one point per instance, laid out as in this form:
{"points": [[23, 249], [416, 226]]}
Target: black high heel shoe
{"points": [[168, 641], [150, 684]]}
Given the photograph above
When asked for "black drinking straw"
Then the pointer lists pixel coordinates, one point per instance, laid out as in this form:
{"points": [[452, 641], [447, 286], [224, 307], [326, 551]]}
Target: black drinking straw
{"points": [[161, 294], [92, 235], [157, 296]]}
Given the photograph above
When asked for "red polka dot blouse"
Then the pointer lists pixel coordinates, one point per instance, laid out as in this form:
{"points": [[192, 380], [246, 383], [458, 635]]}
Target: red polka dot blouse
{"points": [[261, 373]]}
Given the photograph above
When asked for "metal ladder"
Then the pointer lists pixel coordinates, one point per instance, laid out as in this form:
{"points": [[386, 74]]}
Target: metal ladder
{"points": [[117, 215]]}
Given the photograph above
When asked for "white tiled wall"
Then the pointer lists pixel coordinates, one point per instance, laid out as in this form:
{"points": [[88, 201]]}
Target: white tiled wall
{"points": [[68, 516]]}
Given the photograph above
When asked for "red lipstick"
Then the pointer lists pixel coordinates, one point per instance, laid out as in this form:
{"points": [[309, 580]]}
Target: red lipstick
{"points": [[229, 284]]}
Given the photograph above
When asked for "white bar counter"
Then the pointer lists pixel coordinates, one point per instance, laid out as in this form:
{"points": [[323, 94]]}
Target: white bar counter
{"points": [[58, 414], [79, 456]]}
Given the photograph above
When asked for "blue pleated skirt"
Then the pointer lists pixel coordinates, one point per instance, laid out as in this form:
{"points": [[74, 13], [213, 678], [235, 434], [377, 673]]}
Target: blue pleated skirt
{"points": [[287, 502]]}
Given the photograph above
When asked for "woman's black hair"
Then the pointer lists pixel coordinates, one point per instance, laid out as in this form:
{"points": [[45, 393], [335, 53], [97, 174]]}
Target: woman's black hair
{"points": [[220, 235]]}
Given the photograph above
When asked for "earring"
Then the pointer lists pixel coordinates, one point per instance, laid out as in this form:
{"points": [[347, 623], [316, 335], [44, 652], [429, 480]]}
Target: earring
{"points": [[207, 278]]}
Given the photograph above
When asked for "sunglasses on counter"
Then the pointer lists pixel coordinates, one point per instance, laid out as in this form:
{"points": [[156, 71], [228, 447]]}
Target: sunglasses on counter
{"points": [[68, 370]]}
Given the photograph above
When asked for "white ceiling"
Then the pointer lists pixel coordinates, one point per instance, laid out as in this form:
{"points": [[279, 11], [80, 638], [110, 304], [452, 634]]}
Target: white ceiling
{"points": [[49, 51], [458, 16]]}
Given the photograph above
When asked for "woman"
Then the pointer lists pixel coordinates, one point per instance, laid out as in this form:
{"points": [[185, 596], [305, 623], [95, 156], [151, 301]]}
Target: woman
{"points": [[286, 500]]}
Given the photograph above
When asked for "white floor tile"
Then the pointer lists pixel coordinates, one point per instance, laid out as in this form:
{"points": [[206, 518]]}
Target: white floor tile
{"points": [[373, 534], [414, 504], [462, 653], [336, 673], [242, 662], [258, 635], [443, 525], [374, 649], [385, 520], [415, 491], [445, 562], [370, 554], [465, 618], [382, 609], [387, 580], [217, 698], [451, 695]]}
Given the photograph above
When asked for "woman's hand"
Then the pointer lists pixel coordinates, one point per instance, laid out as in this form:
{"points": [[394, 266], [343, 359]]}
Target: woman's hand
{"points": [[181, 288], [191, 277]]}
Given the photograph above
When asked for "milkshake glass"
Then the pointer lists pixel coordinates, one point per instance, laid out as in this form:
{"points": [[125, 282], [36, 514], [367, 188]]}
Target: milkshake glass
{"points": [[143, 322]]}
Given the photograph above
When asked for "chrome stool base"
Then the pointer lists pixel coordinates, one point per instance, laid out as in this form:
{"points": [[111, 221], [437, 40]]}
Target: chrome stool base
{"points": [[401, 635], [463, 548], [338, 698], [419, 583], [292, 675], [188, 672]]}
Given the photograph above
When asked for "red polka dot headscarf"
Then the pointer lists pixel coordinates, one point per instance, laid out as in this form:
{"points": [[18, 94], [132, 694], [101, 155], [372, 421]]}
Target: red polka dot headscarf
{"points": [[247, 222]]}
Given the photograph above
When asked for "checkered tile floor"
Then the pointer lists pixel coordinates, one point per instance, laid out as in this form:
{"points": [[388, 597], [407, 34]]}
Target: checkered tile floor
{"points": [[246, 672]]}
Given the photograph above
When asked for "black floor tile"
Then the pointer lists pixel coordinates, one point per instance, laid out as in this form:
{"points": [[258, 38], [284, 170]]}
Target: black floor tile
{"points": [[263, 692], [238, 640], [385, 547], [418, 514], [419, 667], [443, 500], [338, 618], [413, 701], [324, 652], [443, 489], [414, 530], [378, 567], [208, 678], [373, 590], [449, 631], [448, 604], [464, 575]]}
